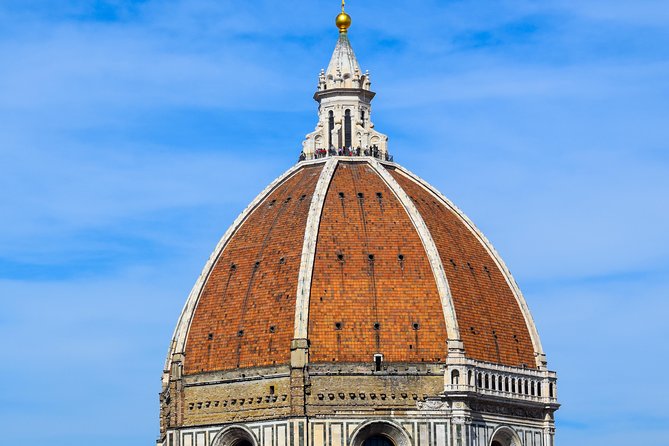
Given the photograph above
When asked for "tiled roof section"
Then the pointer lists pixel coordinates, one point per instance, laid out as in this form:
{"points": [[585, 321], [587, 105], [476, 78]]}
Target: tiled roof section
{"points": [[352, 293], [491, 322], [245, 314]]}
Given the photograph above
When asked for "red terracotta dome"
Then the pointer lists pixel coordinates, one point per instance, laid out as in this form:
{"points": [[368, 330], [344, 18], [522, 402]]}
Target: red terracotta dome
{"points": [[353, 257], [353, 304]]}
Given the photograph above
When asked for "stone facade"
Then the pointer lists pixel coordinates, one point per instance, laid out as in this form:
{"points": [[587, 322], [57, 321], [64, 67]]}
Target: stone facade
{"points": [[466, 403]]}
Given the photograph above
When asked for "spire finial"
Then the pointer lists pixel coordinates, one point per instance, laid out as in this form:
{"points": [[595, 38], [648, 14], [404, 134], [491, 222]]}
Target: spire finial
{"points": [[343, 20]]}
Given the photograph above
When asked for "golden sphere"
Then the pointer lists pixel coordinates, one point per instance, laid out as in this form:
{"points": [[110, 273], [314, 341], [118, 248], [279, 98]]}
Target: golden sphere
{"points": [[343, 22]]}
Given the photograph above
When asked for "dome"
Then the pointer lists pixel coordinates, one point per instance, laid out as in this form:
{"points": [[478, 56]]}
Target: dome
{"points": [[352, 304], [360, 258]]}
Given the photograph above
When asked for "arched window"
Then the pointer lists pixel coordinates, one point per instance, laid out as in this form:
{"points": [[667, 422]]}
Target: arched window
{"points": [[487, 381], [362, 117], [526, 388], [455, 377], [506, 384], [493, 382], [550, 390], [347, 129], [469, 378], [539, 389], [513, 385], [330, 127]]}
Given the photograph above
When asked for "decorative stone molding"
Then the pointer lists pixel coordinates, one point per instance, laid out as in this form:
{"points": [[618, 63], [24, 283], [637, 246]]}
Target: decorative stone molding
{"points": [[505, 409], [433, 405]]}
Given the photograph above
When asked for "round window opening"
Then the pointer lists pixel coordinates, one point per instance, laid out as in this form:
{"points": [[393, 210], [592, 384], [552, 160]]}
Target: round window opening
{"points": [[378, 440]]}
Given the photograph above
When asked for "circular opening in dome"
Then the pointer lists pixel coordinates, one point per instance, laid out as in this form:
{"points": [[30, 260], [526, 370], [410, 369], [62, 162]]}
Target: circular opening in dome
{"points": [[361, 195], [370, 257], [282, 260], [240, 333], [416, 325], [377, 326], [338, 325], [340, 257], [272, 329], [400, 257], [341, 194], [233, 267]]}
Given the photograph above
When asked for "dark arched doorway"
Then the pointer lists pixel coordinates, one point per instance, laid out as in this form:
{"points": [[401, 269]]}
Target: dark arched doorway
{"points": [[378, 440], [496, 443]]}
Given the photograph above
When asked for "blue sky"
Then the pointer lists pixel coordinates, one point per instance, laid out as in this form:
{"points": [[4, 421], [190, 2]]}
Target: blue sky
{"points": [[133, 132]]}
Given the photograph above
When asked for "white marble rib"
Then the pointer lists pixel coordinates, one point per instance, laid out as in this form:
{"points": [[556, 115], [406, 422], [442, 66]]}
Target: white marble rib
{"points": [[452, 328], [520, 299], [309, 250], [181, 331]]}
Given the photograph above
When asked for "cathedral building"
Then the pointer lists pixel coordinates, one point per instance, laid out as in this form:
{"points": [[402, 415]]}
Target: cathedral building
{"points": [[352, 304]]}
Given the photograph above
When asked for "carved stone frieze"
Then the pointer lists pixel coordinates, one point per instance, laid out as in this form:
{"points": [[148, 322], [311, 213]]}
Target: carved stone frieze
{"points": [[432, 405], [505, 409]]}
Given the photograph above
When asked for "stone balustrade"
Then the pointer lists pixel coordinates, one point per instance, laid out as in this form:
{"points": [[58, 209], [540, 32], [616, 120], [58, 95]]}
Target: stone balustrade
{"points": [[501, 381]]}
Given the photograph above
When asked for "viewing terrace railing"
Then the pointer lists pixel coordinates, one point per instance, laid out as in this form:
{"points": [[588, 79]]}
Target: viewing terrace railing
{"points": [[502, 381], [346, 153]]}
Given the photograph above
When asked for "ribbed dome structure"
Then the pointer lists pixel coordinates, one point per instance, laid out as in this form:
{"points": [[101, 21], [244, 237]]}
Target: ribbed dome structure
{"points": [[352, 304], [361, 258]]}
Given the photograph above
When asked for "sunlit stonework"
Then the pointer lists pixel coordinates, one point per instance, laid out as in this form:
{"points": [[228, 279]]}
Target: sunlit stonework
{"points": [[352, 304], [344, 105]]}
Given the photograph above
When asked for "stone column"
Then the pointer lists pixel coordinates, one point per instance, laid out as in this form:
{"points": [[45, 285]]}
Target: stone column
{"points": [[299, 379]]}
